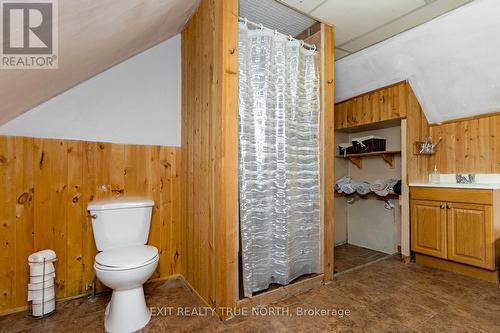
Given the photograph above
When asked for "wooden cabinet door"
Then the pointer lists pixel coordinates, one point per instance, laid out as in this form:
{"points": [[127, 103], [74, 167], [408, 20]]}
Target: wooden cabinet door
{"points": [[470, 234], [428, 227]]}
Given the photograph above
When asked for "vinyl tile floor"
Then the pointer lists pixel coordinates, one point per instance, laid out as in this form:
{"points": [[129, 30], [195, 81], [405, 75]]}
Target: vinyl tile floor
{"points": [[348, 256], [386, 296]]}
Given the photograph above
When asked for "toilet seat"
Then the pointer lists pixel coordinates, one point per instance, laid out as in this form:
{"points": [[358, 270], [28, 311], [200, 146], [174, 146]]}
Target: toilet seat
{"points": [[126, 258]]}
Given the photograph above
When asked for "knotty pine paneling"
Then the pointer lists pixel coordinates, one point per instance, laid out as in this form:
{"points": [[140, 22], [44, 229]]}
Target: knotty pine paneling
{"points": [[324, 39], [383, 104], [210, 151], [417, 129], [45, 186], [397, 101], [469, 145], [327, 142]]}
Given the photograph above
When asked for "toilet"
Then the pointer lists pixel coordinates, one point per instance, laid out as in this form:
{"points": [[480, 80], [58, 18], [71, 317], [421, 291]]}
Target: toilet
{"points": [[124, 262]]}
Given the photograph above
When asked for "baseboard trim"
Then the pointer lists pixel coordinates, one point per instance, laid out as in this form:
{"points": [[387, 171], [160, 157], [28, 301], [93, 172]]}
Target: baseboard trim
{"points": [[70, 298], [197, 294], [474, 272], [282, 292]]}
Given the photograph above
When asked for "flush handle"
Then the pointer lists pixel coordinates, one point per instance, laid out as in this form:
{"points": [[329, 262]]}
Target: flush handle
{"points": [[92, 216]]}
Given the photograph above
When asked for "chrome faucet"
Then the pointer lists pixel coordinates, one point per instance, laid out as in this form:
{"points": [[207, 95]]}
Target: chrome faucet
{"points": [[461, 179]]}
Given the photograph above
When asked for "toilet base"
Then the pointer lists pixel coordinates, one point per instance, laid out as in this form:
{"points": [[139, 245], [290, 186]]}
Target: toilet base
{"points": [[127, 311]]}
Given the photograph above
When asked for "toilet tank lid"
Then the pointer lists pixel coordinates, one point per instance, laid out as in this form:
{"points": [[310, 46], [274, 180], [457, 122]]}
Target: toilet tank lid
{"points": [[120, 203]]}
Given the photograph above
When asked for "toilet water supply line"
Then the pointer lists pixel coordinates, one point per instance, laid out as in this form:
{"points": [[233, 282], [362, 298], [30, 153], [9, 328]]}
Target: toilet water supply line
{"points": [[276, 33], [92, 289]]}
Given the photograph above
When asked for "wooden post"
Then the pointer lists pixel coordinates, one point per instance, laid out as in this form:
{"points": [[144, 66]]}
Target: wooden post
{"points": [[327, 145]]}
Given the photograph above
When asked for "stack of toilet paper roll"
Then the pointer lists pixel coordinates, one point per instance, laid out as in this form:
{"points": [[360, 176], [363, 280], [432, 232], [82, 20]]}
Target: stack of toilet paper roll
{"points": [[41, 290]]}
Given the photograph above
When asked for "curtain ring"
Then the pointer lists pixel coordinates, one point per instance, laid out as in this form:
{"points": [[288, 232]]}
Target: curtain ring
{"points": [[275, 33], [246, 22], [302, 43], [261, 27], [290, 38], [314, 47]]}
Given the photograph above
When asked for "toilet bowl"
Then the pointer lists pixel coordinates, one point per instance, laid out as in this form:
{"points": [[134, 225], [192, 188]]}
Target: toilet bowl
{"points": [[125, 262], [125, 270]]}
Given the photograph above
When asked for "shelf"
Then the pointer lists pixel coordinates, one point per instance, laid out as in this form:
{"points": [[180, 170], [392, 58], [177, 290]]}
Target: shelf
{"points": [[371, 126], [357, 159]]}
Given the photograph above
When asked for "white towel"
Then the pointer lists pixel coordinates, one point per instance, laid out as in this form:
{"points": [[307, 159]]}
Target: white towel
{"points": [[348, 188], [362, 188], [48, 278], [342, 181], [378, 185], [48, 255]]}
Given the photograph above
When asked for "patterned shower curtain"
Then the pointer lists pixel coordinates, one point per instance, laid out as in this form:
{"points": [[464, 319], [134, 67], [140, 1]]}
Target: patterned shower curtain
{"points": [[279, 159]]}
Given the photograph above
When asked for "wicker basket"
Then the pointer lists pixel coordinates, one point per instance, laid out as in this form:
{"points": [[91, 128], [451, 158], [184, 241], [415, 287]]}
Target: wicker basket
{"points": [[368, 144], [345, 149]]}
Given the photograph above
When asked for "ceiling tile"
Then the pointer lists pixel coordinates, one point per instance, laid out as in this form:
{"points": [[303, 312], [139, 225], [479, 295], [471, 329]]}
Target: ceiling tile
{"points": [[413, 19], [339, 54], [355, 18], [304, 6]]}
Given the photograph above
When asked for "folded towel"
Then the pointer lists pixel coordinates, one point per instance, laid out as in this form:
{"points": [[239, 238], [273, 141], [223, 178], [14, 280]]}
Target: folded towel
{"points": [[39, 256], [390, 204], [342, 181], [347, 188], [378, 185], [382, 193], [362, 188], [390, 184]]}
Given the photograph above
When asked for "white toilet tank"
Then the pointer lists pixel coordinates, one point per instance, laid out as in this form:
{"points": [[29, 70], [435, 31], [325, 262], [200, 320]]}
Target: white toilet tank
{"points": [[120, 222]]}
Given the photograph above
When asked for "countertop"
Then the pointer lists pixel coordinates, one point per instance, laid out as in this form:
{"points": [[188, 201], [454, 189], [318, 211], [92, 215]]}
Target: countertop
{"points": [[455, 185]]}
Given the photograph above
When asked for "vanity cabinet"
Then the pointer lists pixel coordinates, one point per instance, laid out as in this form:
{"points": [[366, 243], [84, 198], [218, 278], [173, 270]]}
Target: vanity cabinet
{"points": [[457, 225], [470, 234], [428, 227]]}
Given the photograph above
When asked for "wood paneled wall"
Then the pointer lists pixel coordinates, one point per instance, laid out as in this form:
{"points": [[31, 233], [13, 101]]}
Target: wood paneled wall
{"points": [[391, 103], [469, 145], [45, 186], [210, 151], [417, 129], [383, 104]]}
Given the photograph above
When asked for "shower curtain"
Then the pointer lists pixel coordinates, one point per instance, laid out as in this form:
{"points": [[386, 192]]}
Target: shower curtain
{"points": [[279, 159]]}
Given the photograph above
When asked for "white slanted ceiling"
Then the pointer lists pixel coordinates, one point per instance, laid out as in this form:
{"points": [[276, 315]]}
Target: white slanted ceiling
{"points": [[135, 102], [93, 36], [452, 63]]}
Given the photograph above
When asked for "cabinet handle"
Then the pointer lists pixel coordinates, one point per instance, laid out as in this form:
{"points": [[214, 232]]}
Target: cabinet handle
{"points": [[442, 206], [449, 206]]}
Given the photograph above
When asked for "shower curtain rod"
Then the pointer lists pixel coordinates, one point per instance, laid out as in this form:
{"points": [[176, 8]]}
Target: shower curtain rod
{"points": [[259, 25]]}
